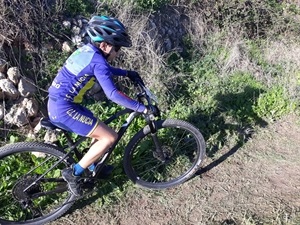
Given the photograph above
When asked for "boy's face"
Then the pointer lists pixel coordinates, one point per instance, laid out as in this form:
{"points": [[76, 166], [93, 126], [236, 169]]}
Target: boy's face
{"points": [[108, 49]]}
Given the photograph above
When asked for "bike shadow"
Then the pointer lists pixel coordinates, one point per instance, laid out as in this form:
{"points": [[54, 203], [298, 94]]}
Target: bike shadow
{"points": [[235, 116]]}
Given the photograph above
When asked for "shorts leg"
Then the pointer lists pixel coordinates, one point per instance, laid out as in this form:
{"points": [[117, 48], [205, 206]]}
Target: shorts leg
{"points": [[72, 117]]}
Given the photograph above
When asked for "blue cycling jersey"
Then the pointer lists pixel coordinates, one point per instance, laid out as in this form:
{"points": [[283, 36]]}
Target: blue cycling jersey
{"points": [[86, 65]]}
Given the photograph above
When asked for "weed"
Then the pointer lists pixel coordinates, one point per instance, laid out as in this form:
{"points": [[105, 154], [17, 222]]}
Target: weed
{"points": [[75, 7], [149, 5], [274, 104]]}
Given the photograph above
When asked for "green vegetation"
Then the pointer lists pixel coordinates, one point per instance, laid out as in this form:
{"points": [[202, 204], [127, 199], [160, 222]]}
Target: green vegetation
{"points": [[274, 104], [53, 62], [150, 4], [244, 74], [76, 7]]}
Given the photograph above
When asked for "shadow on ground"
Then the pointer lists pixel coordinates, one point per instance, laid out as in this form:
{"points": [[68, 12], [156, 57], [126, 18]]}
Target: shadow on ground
{"points": [[234, 117], [242, 119]]}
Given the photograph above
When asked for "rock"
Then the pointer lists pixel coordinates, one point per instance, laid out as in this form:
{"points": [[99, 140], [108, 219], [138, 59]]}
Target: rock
{"points": [[19, 114], [8, 89], [30, 106], [38, 126], [2, 76], [13, 74], [26, 87], [31, 135], [39, 154], [67, 24], [76, 30], [16, 116], [50, 136], [77, 39], [79, 22], [3, 64], [66, 47]]}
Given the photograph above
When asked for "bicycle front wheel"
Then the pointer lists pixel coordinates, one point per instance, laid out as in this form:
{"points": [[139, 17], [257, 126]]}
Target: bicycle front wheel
{"points": [[183, 146], [32, 190]]}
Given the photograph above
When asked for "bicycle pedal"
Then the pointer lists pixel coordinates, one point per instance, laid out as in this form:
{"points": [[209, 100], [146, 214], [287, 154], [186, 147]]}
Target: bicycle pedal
{"points": [[87, 184]]}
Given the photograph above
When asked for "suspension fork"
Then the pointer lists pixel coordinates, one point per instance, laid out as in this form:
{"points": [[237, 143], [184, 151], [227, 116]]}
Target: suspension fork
{"points": [[158, 152]]}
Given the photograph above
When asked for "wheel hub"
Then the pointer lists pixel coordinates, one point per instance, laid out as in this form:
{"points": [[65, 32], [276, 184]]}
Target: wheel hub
{"points": [[167, 151]]}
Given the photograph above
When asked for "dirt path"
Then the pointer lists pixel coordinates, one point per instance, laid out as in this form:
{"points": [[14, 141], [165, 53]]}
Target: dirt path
{"points": [[258, 183]]}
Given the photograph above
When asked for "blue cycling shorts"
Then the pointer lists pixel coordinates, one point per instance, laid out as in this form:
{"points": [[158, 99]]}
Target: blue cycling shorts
{"points": [[72, 117]]}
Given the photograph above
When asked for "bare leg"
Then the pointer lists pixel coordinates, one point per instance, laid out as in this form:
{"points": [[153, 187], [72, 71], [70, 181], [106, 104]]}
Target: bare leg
{"points": [[104, 138]]}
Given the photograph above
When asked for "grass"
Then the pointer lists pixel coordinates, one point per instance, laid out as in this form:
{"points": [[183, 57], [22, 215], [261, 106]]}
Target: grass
{"points": [[249, 187], [228, 82]]}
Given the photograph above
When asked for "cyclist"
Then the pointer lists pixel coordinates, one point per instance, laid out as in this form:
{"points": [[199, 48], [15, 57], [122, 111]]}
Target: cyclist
{"points": [[86, 65]]}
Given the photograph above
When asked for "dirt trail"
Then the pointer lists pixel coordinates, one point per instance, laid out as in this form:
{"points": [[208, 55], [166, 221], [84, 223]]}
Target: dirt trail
{"points": [[258, 183]]}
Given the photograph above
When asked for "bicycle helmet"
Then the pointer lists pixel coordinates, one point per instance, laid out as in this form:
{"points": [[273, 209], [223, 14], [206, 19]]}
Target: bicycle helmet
{"points": [[108, 29]]}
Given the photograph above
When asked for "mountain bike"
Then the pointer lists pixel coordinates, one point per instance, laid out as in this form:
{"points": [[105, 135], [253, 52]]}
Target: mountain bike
{"points": [[164, 153]]}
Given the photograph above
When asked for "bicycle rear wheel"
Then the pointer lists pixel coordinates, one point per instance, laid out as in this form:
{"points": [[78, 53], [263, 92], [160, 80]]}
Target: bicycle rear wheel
{"points": [[181, 142], [21, 164]]}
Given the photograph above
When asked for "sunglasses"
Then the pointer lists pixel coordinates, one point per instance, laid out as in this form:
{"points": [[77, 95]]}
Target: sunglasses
{"points": [[117, 48]]}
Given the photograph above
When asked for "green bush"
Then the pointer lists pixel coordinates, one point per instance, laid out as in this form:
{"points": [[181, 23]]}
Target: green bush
{"points": [[150, 4], [255, 18], [274, 104], [238, 94], [52, 62], [78, 7]]}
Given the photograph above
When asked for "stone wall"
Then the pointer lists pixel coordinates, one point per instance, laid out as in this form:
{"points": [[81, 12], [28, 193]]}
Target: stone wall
{"points": [[166, 27]]}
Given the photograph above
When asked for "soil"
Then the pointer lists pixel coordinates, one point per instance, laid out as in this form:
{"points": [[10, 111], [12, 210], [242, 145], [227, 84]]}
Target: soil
{"points": [[256, 183]]}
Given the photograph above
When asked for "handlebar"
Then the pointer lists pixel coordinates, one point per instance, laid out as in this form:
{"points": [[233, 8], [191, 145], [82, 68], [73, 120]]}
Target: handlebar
{"points": [[142, 94], [146, 97]]}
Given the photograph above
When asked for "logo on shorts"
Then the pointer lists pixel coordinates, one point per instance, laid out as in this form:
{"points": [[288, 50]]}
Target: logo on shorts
{"points": [[79, 117]]}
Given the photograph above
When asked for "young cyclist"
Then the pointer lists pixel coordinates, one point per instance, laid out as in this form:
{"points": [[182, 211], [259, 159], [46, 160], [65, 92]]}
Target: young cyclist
{"points": [[80, 71]]}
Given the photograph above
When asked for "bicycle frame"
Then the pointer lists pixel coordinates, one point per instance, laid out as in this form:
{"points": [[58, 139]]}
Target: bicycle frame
{"points": [[121, 132], [72, 145]]}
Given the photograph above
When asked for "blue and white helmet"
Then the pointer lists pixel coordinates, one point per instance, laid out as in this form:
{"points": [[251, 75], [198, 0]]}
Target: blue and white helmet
{"points": [[108, 29]]}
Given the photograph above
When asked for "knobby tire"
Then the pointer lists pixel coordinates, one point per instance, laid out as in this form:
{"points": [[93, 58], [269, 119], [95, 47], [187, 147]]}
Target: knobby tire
{"points": [[184, 146], [16, 161]]}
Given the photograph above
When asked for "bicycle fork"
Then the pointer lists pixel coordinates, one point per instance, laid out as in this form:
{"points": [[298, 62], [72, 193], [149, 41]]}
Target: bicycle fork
{"points": [[158, 152]]}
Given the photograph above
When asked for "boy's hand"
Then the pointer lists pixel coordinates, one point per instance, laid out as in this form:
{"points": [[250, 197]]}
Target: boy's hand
{"points": [[135, 77]]}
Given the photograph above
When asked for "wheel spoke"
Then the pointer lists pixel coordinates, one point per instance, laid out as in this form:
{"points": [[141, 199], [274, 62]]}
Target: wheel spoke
{"points": [[183, 147], [30, 189]]}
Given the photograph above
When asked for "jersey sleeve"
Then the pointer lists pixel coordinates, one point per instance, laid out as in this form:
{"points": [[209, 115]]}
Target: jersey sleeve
{"points": [[104, 77], [118, 71]]}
